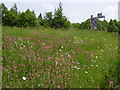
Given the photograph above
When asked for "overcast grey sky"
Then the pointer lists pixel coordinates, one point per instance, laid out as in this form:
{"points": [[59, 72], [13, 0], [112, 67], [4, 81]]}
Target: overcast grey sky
{"points": [[75, 10]]}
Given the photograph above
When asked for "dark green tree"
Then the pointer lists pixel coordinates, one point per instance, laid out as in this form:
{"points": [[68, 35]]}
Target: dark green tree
{"points": [[42, 21], [59, 20], [112, 27], [48, 17], [102, 25], [40, 17], [14, 9], [86, 24], [9, 19], [27, 19], [4, 12]]}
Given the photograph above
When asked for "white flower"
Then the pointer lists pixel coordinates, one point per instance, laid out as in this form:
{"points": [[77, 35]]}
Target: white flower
{"points": [[75, 66], [62, 47], [102, 50], [78, 68], [96, 65], [96, 56], [91, 55], [24, 78], [91, 65], [61, 55], [86, 72], [75, 37], [60, 50], [68, 55]]}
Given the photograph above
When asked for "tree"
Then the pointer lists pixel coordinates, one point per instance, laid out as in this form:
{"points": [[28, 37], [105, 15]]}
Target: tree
{"points": [[14, 9], [9, 19], [48, 17], [86, 24], [40, 17], [112, 27], [60, 21], [102, 25], [27, 19], [4, 11]]}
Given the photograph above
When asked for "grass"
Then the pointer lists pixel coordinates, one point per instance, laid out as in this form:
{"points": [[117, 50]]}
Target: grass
{"points": [[50, 58]]}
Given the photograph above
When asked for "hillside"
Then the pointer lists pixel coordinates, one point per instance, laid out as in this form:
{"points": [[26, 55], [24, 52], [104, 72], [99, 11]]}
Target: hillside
{"points": [[59, 58]]}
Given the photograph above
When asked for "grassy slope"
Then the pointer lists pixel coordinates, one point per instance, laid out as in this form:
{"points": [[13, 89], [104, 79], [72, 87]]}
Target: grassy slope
{"points": [[52, 58]]}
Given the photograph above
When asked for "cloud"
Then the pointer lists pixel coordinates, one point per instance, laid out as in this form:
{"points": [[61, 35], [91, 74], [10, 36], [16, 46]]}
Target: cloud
{"points": [[47, 6], [111, 12], [77, 16]]}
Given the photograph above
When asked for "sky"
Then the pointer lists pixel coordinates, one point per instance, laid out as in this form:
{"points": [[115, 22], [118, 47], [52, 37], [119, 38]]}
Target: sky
{"points": [[77, 11]]}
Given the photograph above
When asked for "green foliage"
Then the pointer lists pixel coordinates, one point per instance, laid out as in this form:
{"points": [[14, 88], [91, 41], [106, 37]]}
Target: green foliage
{"points": [[102, 25], [75, 25], [41, 20], [86, 24], [14, 9], [27, 19], [48, 18], [9, 19], [4, 11], [112, 26], [59, 20]]}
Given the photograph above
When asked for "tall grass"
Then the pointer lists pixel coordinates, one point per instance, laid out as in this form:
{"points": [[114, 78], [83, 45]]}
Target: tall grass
{"points": [[59, 58]]}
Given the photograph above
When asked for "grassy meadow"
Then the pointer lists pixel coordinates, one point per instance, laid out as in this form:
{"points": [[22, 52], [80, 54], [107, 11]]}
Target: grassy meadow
{"points": [[59, 58]]}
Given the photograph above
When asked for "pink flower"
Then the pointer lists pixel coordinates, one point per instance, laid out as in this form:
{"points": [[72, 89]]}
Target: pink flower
{"points": [[47, 47], [43, 43], [111, 82], [48, 72], [69, 56], [38, 75], [58, 86], [39, 85], [6, 69], [7, 86]]}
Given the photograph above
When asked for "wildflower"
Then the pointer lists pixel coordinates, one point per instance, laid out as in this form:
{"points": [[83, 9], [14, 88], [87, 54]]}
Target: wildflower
{"points": [[38, 85], [38, 75], [58, 86], [60, 50], [75, 37], [91, 55], [43, 43], [62, 47], [68, 55], [61, 55], [86, 72], [20, 47], [110, 44], [96, 65], [96, 56], [91, 65], [24, 78], [75, 66], [7, 86], [102, 50], [111, 82], [78, 68]]}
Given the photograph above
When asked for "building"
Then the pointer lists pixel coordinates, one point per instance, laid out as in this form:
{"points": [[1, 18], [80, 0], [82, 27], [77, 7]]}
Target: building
{"points": [[119, 11]]}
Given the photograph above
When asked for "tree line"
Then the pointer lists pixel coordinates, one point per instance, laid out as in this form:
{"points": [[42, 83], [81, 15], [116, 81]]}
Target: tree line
{"points": [[112, 26], [13, 17]]}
